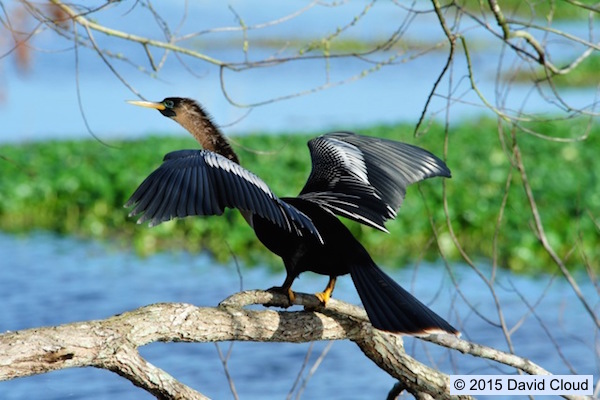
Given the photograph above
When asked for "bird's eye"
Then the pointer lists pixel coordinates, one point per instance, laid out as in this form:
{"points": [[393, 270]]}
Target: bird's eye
{"points": [[169, 103]]}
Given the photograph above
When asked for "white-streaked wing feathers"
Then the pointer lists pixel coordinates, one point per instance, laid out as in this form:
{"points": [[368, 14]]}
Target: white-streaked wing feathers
{"points": [[201, 182], [365, 178]]}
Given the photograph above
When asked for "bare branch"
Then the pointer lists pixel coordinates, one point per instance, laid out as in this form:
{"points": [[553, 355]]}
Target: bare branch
{"points": [[112, 343], [452, 41], [81, 20]]}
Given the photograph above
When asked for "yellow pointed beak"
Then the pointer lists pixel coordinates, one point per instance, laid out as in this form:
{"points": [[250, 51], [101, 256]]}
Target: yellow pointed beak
{"points": [[147, 104]]}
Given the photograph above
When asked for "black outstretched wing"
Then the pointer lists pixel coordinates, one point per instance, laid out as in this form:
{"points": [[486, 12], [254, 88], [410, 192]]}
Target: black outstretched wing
{"points": [[365, 178], [200, 182]]}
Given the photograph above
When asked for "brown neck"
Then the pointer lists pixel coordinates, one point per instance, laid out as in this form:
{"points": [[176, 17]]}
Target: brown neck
{"points": [[199, 124]]}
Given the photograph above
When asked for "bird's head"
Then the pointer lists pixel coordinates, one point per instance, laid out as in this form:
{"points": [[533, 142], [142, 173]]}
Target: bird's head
{"points": [[190, 115], [170, 107]]}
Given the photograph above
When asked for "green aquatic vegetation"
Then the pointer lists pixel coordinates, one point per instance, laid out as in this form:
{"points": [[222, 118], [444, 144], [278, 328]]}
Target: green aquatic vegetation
{"points": [[528, 10], [584, 74], [335, 45], [79, 188]]}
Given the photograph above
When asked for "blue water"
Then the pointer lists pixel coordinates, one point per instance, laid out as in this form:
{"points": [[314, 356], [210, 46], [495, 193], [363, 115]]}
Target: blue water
{"points": [[41, 103], [48, 280]]}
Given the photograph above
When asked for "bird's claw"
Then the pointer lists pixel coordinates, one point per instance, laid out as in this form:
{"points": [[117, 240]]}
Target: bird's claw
{"points": [[291, 296], [323, 297]]}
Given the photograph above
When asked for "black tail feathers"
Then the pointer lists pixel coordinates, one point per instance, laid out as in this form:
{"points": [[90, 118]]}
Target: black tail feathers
{"points": [[391, 308]]}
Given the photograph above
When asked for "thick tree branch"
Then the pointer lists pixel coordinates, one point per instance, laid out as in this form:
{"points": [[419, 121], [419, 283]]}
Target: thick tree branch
{"points": [[112, 343]]}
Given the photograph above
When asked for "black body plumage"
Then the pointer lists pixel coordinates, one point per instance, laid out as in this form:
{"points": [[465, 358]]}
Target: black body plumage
{"points": [[358, 177], [365, 178], [201, 182]]}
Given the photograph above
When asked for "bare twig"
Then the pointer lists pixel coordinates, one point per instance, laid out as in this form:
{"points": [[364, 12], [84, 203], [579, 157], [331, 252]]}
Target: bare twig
{"points": [[77, 17], [452, 42], [541, 234]]}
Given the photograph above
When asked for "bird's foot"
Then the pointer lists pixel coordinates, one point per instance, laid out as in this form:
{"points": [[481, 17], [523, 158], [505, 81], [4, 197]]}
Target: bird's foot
{"points": [[291, 296], [324, 297]]}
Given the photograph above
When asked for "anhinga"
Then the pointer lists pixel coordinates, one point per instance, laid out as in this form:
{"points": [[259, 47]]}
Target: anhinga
{"points": [[358, 177]]}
